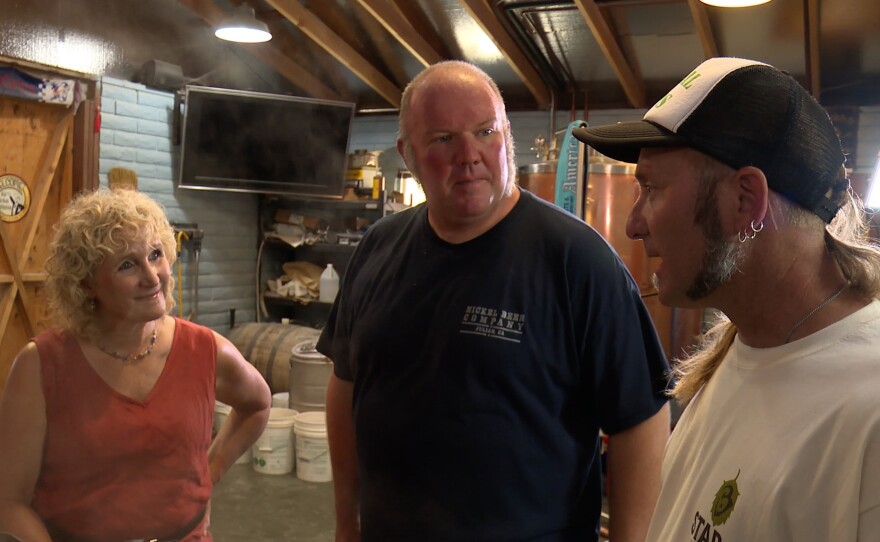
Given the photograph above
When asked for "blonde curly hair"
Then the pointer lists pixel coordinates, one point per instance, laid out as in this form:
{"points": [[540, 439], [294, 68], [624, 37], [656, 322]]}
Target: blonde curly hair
{"points": [[93, 226]]}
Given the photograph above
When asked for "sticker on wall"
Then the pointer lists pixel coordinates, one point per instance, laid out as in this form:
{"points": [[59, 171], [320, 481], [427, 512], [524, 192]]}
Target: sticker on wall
{"points": [[15, 198]]}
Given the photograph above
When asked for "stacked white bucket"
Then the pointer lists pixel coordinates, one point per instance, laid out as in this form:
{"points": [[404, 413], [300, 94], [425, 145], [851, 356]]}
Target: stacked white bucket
{"points": [[312, 451], [296, 433], [274, 450], [309, 372]]}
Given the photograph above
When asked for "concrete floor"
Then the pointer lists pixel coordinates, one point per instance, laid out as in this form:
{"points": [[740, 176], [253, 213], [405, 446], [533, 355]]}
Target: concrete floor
{"points": [[248, 506], [251, 507]]}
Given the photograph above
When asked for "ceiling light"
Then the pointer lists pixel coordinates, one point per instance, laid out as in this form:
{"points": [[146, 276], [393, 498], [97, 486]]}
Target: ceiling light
{"points": [[734, 3], [243, 27]]}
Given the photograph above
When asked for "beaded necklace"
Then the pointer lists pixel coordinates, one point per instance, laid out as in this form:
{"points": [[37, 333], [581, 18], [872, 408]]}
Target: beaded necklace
{"points": [[132, 358]]}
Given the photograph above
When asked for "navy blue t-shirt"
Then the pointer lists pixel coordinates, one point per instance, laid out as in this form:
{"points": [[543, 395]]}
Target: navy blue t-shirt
{"points": [[483, 371]]}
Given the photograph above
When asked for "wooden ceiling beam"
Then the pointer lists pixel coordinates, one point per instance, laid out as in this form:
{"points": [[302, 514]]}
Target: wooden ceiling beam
{"points": [[312, 26], [386, 47], [483, 15], [396, 23], [267, 53], [704, 28], [293, 72], [633, 86], [418, 19], [329, 73]]}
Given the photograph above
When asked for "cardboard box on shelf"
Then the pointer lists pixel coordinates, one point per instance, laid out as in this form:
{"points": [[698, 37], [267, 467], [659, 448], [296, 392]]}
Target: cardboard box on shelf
{"points": [[286, 216], [363, 176]]}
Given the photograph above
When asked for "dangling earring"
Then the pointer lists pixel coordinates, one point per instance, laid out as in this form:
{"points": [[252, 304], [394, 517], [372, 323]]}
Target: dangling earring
{"points": [[91, 305], [745, 235]]}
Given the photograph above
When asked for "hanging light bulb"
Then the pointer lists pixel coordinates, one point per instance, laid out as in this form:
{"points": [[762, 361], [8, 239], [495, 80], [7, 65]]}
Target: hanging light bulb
{"points": [[734, 3], [243, 27]]}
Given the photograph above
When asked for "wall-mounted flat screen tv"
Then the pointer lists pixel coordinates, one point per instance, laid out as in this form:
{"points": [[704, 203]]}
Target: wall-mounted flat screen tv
{"points": [[267, 143]]}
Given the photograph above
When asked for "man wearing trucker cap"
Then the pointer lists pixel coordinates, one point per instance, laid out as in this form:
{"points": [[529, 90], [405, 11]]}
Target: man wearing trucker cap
{"points": [[745, 200]]}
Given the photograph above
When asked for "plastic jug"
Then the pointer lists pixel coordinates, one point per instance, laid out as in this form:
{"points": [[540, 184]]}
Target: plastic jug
{"points": [[329, 285]]}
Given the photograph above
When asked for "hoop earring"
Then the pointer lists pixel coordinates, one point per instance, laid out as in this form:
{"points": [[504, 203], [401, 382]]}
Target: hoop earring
{"points": [[745, 235], [756, 229]]}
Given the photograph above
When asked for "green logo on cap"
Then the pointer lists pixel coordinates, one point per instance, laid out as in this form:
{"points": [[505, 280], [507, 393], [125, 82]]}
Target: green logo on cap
{"points": [[687, 82], [663, 100]]}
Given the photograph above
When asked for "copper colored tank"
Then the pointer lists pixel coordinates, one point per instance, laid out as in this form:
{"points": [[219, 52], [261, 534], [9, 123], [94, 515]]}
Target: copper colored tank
{"points": [[539, 179], [611, 192]]}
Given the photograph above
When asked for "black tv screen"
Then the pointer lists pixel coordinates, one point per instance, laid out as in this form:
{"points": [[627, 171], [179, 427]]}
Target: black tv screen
{"points": [[255, 142]]}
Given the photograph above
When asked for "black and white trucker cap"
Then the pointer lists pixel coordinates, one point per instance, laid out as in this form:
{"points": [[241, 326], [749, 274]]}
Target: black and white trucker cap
{"points": [[742, 113]]}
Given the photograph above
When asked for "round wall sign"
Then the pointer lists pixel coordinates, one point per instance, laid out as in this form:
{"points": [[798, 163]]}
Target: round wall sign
{"points": [[15, 198]]}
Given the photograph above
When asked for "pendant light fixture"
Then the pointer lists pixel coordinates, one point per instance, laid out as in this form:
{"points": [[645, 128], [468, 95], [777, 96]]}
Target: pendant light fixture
{"points": [[243, 27], [734, 3]]}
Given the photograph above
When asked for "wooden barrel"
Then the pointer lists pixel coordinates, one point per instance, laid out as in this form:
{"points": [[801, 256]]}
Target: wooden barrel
{"points": [[268, 347]]}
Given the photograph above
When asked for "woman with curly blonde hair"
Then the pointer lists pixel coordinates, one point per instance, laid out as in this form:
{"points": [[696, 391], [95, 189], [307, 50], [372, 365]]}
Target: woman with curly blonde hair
{"points": [[105, 421]]}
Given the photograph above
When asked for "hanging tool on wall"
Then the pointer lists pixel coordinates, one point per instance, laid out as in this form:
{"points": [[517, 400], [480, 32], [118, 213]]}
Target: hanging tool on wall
{"points": [[190, 236], [197, 236], [180, 235]]}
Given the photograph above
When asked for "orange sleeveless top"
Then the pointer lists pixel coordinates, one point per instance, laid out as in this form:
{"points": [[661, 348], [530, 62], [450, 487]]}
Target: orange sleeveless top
{"points": [[119, 469]]}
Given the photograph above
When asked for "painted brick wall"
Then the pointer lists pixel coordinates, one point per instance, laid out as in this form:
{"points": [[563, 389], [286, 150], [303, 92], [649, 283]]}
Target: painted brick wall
{"points": [[136, 134]]}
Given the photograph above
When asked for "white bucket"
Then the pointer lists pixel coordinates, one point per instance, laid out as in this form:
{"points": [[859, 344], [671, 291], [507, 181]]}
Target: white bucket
{"points": [[274, 451], [221, 411], [309, 373], [312, 450], [281, 400]]}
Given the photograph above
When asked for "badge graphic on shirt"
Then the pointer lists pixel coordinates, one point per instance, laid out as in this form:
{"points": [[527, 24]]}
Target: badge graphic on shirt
{"points": [[725, 501]]}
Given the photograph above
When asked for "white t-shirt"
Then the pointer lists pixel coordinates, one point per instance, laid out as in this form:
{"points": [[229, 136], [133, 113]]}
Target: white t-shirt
{"points": [[782, 444]]}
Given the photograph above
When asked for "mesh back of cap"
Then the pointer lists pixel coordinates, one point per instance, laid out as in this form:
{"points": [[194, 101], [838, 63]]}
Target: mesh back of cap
{"points": [[762, 117]]}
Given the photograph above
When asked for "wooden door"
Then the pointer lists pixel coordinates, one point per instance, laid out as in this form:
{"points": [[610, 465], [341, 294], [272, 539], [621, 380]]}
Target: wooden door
{"points": [[36, 147]]}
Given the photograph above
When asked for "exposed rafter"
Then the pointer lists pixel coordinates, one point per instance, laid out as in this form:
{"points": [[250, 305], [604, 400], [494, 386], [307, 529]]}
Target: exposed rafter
{"points": [[704, 28], [385, 44], [418, 19], [312, 26], [388, 14], [633, 86], [483, 15], [267, 53]]}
